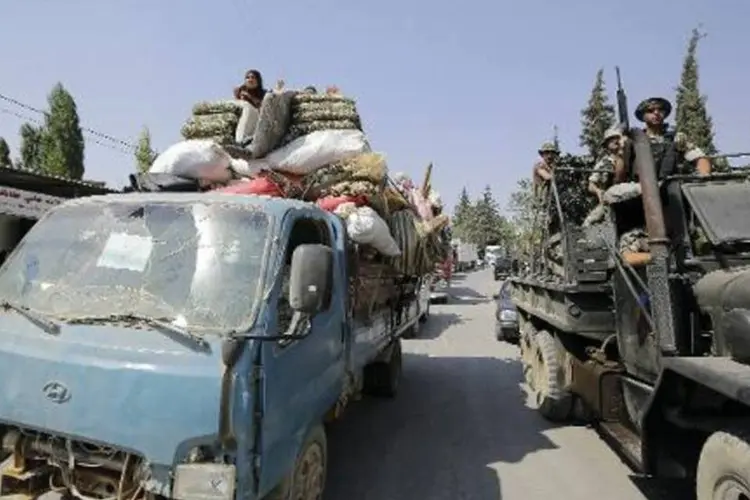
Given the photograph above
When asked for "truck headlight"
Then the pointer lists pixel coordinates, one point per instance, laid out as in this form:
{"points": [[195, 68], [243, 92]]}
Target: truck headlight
{"points": [[507, 315], [204, 482]]}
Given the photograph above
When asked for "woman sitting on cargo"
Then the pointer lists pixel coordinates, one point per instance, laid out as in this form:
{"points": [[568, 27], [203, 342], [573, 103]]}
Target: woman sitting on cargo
{"points": [[251, 90], [250, 94]]}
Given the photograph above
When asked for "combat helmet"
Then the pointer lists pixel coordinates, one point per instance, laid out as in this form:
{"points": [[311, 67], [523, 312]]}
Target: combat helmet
{"points": [[548, 147], [611, 133], [644, 105]]}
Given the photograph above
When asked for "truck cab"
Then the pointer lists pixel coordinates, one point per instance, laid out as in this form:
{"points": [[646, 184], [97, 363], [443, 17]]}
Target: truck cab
{"points": [[183, 345]]}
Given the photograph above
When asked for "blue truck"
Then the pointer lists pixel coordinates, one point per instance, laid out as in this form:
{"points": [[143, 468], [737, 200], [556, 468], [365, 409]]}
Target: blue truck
{"points": [[185, 346]]}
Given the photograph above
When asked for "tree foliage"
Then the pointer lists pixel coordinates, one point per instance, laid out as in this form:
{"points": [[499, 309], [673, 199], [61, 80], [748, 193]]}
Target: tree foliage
{"points": [[691, 115], [62, 144], [4, 154], [596, 117], [144, 153], [480, 222], [31, 146]]}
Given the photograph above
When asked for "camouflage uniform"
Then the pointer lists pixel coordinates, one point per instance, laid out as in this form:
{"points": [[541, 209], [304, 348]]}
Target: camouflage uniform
{"points": [[688, 151], [602, 177], [540, 185], [635, 240]]}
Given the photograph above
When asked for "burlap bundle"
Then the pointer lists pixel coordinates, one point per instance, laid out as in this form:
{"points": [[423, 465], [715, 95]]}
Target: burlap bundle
{"points": [[316, 112]]}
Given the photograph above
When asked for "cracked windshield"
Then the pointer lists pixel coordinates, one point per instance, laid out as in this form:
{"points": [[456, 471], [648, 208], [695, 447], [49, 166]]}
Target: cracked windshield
{"points": [[195, 264]]}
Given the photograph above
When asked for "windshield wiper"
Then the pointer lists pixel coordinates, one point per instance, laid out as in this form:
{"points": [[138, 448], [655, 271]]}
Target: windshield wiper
{"points": [[161, 324], [39, 319]]}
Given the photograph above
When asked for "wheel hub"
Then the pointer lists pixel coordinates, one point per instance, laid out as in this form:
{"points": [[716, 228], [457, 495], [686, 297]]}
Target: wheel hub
{"points": [[309, 476]]}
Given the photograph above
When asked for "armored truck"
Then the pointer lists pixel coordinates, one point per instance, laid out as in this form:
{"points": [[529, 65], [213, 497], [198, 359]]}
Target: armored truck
{"points": [[651, 344]]}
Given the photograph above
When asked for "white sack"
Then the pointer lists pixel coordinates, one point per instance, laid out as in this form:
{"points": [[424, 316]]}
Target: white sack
{"points": [[192, 159], [317, 149], [366, 227], [249, 168]]}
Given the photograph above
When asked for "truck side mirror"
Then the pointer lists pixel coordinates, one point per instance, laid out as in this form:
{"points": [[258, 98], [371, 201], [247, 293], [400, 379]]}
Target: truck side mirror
{"points": [[310, 278]]}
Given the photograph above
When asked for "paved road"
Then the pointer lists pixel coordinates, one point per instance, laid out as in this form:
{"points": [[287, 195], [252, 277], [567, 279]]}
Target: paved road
{"points": [[462, 428]]}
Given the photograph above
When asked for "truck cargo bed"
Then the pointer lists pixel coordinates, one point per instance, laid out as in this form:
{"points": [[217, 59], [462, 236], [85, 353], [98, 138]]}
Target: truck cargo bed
{"points": [[583, 309]]}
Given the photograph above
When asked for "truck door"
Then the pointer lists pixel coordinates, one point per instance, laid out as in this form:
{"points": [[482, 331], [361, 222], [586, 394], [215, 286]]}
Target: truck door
{"points": [[302, 379]]}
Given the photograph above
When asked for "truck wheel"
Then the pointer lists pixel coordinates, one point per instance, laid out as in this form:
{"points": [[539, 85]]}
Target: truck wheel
{"points": [[307, 480], [526, 346], [382, 378], [724, 467], [555, 403]]}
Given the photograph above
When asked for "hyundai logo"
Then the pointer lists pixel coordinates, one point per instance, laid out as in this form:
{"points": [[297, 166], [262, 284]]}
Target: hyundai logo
{"points": [[56, 392]]}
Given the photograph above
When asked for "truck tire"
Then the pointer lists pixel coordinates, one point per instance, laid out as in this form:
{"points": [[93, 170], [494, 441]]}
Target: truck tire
{"points": [[307, 480], [724, 466], [554, 403], [526, 347], [382, 378]]}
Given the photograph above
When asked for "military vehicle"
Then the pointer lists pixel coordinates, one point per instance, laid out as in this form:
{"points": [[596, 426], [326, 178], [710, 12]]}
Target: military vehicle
{"points": [[653, 347]]}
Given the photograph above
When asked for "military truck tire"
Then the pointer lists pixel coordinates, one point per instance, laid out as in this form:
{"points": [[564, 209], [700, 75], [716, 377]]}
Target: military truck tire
{"points": [[554, 403], [724, 467], [382, 378], [307, 480]]}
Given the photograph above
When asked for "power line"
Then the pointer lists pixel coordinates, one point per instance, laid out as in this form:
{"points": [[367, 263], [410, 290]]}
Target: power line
{"points": [[41, 124], [91, 131]]}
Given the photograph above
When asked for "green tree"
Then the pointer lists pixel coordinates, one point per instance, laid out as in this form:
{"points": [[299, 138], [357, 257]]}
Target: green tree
{"points": [[596, 117], [463, 216], [144, 153], [691, 115], [521, 207], [31, 145], [4, 154], [489, 227], [62, 150]]}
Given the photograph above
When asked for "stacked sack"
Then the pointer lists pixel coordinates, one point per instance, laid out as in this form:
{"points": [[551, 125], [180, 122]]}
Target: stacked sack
{"points": [[216, 121], [316, 112], [311, 147]]}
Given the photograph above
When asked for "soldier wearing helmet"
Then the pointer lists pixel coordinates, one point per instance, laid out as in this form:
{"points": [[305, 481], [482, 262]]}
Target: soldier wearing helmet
{"points": [[653, 112], [542, 171], [604, 175]]}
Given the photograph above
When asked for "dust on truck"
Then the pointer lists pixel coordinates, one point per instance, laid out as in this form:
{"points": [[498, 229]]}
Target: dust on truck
{"points": [[186, 345], [653, 347]]}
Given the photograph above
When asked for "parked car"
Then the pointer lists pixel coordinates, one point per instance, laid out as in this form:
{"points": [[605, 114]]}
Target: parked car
{"points": [[502, 268], [506, 316]]}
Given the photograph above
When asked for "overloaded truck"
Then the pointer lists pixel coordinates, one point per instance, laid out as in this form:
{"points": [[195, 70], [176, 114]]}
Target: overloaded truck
{"points": [[189, 339], [185, 346], [652, 345]]}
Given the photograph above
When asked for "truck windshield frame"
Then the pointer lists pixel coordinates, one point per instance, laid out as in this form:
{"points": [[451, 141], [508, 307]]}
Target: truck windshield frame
{"points": [[203, 264]]}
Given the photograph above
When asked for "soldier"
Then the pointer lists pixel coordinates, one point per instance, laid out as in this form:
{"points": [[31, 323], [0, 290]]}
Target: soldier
{"points": [[542, 172], [604, 173], [653, 112]]}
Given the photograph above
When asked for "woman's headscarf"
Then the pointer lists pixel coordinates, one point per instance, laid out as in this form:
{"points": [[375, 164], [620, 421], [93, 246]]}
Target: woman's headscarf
{"points": [[253, 96]]}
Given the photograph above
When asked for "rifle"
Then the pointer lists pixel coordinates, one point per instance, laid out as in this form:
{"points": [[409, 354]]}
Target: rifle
{"points": [[624, 126], [622, 105]]}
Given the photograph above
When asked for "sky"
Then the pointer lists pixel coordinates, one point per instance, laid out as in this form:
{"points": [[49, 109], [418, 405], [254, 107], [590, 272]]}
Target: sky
{"points": [[473, 86]]}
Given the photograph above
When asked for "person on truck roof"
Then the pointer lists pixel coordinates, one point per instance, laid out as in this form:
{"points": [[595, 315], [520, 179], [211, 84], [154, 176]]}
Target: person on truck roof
{"points": [[653, 112], [251, 90]]}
